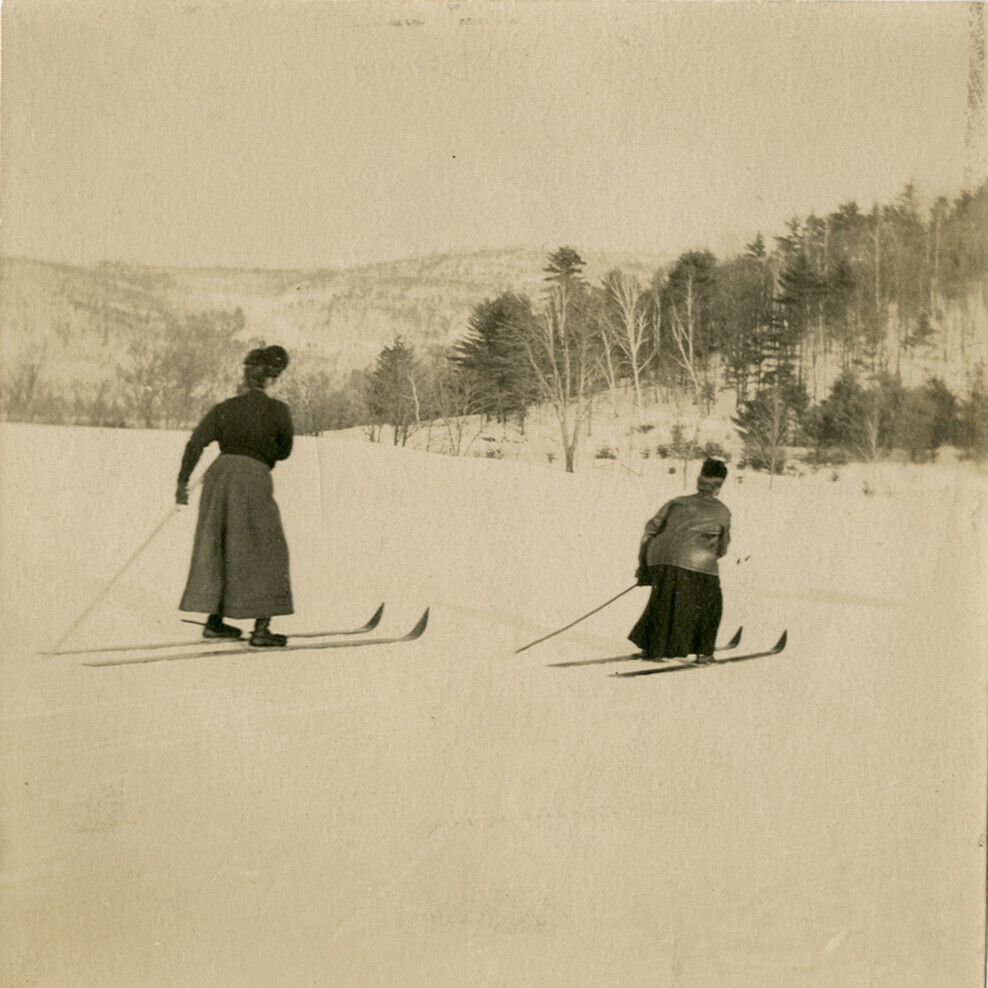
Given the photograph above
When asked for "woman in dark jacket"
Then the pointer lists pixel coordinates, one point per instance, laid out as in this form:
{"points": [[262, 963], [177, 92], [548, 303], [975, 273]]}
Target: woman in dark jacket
{"points": [[678, 558], [239, 563]]}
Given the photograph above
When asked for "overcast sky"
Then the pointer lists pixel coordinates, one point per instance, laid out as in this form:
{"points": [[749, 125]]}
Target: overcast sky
{"points": [[247, 134]]}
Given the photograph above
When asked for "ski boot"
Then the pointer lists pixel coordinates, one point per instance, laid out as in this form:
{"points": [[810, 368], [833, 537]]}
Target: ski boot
{"points": [[215, 628], [263, 637]]}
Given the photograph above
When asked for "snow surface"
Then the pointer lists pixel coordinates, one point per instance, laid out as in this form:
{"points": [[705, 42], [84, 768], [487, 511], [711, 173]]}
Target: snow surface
{"points": [[450, 813]]}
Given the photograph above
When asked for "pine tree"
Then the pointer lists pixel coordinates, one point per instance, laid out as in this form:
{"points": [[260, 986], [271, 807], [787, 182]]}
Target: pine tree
{"points": [[743, 312], [491, 356], [565, 267], [767, 423], [390, 389]]}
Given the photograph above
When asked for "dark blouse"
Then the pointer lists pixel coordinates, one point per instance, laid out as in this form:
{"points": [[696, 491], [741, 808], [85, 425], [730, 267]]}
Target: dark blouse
{"points": [[251, 424]]}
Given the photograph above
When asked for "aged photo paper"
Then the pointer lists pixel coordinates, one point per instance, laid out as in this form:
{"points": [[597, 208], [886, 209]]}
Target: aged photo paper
{"points": [[483, 288]]}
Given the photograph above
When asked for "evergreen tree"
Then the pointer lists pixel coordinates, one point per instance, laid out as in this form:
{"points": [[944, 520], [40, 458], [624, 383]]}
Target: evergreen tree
{"points": [[743, 313], [390, 389], [927, 419], [492, 357], [915, 424], [974, 426], [756, 249], [965, 243], [859, 421], [799, 298], [839, 310], [767, 424], [565, 267]]}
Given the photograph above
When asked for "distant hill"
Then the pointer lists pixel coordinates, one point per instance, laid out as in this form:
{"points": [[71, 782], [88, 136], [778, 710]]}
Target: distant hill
{"points": [[77, 323]]}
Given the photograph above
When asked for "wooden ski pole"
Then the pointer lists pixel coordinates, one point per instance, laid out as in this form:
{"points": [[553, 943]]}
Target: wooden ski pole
{"points": [[173, 510], [578, 620]]}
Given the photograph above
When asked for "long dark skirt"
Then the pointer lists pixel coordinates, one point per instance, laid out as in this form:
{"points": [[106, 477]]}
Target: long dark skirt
{"points": [[682, 614], [240, 558]]}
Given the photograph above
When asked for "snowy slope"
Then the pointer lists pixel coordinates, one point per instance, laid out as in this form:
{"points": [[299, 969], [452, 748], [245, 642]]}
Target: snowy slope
{"points": [[451, 813]]}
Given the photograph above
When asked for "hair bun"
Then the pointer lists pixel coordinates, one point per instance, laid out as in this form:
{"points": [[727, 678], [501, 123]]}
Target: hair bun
{"points": [[273, 359], [714, 468], [276, 358]]}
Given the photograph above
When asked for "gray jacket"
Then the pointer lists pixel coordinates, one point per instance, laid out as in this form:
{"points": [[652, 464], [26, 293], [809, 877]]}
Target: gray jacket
{"points": [[691, 532]]}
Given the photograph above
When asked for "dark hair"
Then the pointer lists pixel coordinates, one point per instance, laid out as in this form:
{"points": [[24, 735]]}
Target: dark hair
{"points": [[714, 468], [263, 364]]}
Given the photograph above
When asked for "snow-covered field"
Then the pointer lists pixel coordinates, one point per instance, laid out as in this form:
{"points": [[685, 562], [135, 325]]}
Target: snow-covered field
{"points": [[450, 813]]}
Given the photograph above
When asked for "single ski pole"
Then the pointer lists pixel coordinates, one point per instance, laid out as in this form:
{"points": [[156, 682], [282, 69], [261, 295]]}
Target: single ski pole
{"points": [[578, 620], [173, 510]]}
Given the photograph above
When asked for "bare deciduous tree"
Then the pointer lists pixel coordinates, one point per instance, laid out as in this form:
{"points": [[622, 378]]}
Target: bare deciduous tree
{"points": [[560, 354], [628, 319], [684, 336]]}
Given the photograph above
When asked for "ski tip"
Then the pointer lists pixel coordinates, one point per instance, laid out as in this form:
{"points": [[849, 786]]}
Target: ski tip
{"points": [[736, 640], [781, 643], [417, 631], [375, 620]]}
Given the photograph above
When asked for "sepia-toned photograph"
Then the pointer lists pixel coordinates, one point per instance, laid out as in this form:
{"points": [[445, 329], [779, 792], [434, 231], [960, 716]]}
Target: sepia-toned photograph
{"points": [[390, 391]]}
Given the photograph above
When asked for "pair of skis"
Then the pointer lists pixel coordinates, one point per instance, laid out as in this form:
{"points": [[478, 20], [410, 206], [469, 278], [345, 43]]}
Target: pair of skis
{"points": [[238, 646], [679, 664], [683, 663]]}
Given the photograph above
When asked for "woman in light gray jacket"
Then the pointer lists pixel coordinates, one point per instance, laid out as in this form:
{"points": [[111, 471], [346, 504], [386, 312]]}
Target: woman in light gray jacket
{"points": [[678, 559]]}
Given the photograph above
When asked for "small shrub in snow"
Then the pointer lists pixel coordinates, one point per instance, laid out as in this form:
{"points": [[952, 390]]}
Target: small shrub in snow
{"points": [[833, 456], [605, 453], [681, 447], [767, 423]]}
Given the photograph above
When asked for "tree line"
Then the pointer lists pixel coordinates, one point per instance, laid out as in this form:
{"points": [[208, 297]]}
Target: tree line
{"points": [[164, 377], [808, 335]]}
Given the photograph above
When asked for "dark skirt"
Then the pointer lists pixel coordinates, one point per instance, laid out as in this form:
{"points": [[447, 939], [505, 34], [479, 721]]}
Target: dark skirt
{"points": [[682, 614], [240, 557]]}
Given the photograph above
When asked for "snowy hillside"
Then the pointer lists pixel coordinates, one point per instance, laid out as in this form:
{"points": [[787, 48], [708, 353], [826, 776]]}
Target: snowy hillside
{"points": [[74, 321], [451, 813]]}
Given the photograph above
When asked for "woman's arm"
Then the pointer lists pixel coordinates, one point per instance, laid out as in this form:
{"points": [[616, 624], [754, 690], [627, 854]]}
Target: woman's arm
{"points": [[652, 528], [203, 434], [284, 437], [725, 537], [655, 524]]}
